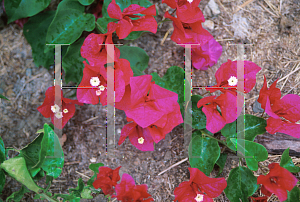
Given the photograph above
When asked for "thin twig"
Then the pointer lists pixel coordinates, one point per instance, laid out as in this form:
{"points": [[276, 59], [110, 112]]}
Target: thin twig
{"points": [[166, 35], [172, 166], [298, 67], [82, 174], [91, 119], [243, 5]]}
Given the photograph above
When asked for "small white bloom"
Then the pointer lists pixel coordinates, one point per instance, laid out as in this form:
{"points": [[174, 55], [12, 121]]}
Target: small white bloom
{"points": [[141, 140], [101, 88], [199, 198], [98, 92], [65, 110], [59, 115], [232, 81], [94, 81], [93, 160], [190, 1], [55, 108]]}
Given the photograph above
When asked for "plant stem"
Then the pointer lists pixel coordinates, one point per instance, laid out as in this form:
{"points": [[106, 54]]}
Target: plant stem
{"points": [[165, 20], [99, 27], [48, 197]]}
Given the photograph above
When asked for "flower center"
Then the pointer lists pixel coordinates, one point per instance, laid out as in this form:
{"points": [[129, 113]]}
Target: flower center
{"points": [[59, 115], [273, 180], [232, 81], [65, 111], [141, 140], [94, 81], [55, 108], [199, 198], [99, 91]]}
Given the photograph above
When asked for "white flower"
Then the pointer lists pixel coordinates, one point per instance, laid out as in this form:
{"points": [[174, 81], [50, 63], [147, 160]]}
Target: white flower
{"points": [[94, 81], [65, 110], [59, 115], [101, 88], [141, 140], [199, 198], [98, 92], [55, 108], [232, 81], [190, 1]]}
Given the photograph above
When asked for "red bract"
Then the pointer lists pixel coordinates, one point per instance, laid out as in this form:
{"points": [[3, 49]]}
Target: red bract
{"points": [[94, 48], [188, 33], [128, 191], [125, 25], [199, 188], [97, 10], [150, 104], [206, 55], [106, 179], [48, 109], [272, 93], [277, 181], [259, 199], [229, 70], [214, 120]]}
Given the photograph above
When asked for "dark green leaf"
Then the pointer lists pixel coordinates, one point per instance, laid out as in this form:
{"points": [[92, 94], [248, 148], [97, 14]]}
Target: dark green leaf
{"points": [[54, 159], [137, 57], [254, 152], [77, 191], [198, 116], [39, 175], [2, 180], [73, 62], [173, 80], [2, 151], [17, 9], [68, 197], [3, 97], [18, 195], [69, 23], [41, 197], [241, 183], [16, 168], [103, 22], [134, 35], [35, 31], [293, 195], [287, 162], [253, 127], [49, 179], [221, 162], [86, 2], [203, 153]]}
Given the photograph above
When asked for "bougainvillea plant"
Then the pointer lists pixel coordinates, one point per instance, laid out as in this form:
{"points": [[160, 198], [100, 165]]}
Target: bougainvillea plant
{"points": [[154, 106]]}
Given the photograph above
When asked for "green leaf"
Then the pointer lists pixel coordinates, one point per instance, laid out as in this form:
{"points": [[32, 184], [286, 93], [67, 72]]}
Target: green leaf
{"points": [[69, 23], [2, 180], [77, 191], [137, 57], [198, 116], [252, 149], [2, 151], [35, 31], [253, 127], [16, 168], [203, 153], [94, 167], [54, 159], [103, 22], [17, 9], [68, 197], [86, 193], [86, 2], [221, 162], [134, 35], [173, 80], [293, 195], [41, 197], [3, 97], [287, 162], [73, 62], [124, 4], [241, 183], [18, 195]]}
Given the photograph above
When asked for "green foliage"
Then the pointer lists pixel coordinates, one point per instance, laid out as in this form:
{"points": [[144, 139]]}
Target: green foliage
{"points": [[203, 153], [86, 2], [3, 97], [221, 162], [103, 22], [69, 23], [253, 127], [67, 197], [254, 151], [77, 191], [2, 180], [72, 63], [287, 163], [293, 195], [17, 9], [16, 168], [18, 195], [35, 31], [2, 151], [198, 116], [173, 80], [134, 35], [94, 167], [137, 57], [241, 183]]}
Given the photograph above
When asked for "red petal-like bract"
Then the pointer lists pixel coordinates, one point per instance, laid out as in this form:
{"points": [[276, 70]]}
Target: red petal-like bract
{"points": [[45, 108], [106, 179], [283, 126], [278, 181], [273, 93], [259, 199]]}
